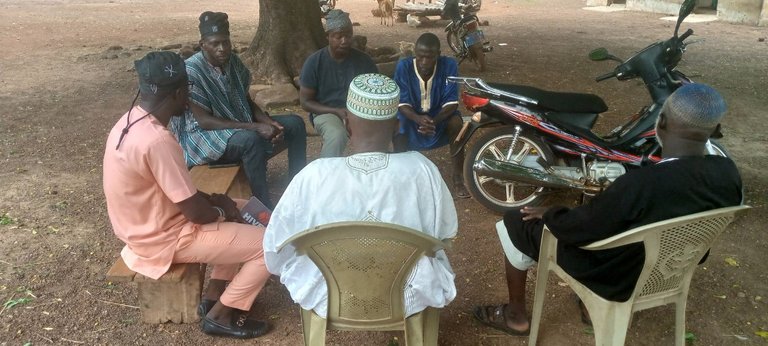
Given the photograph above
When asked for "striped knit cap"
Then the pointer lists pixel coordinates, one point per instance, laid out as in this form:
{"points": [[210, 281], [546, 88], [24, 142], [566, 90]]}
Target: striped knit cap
{"points": [[696, 105], [373, 96]]}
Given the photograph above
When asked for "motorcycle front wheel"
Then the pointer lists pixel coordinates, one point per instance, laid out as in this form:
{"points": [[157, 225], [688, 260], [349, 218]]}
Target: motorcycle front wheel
{"points": [[502, 195]]}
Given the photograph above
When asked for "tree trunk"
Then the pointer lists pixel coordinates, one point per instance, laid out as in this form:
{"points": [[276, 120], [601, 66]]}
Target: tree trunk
{"points": [[289, 31]]}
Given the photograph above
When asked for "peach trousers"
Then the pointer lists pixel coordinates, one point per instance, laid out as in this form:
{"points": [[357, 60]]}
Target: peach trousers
{"points": [[226, 245]]}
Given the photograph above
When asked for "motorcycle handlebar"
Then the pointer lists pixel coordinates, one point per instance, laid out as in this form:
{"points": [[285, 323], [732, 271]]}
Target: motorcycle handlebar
{"points": [[685, 35], [605, 76]]}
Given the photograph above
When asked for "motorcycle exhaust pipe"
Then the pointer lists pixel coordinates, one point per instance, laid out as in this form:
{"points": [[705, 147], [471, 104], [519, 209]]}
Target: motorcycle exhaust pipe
{"points": [[512, 171]]}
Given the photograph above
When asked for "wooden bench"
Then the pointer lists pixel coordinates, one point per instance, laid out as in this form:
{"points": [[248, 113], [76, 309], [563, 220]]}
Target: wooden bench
{"points": [[174, 297], [228, 180]]}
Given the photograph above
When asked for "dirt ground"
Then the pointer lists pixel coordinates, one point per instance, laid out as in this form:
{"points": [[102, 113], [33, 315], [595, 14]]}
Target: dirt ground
{"points": [[62, 89]]}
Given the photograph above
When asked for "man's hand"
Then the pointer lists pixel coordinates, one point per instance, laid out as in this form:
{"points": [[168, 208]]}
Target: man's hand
{"points": [[426, 125], [231, 213], [280, 135], [341, 113], [533, 213], [266, 131]]}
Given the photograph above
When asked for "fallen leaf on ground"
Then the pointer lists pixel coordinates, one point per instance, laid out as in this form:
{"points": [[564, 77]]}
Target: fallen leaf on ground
{"points": [[731, 262], [763, 334]]}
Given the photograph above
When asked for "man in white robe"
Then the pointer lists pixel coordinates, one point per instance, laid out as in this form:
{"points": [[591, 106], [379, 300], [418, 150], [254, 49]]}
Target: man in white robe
{"points": [[370, 185]]}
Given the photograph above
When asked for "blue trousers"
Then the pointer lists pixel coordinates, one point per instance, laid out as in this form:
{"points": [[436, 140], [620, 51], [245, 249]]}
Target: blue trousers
{"points": [[253, 151]]}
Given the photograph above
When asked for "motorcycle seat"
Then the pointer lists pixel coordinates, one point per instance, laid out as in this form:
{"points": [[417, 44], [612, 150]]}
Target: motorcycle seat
{"points": [[467, 19], [557, 101]]}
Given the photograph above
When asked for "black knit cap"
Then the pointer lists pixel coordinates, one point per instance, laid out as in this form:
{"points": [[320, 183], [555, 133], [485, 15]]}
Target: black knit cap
{"points": [[212, 23], [160, 71]]}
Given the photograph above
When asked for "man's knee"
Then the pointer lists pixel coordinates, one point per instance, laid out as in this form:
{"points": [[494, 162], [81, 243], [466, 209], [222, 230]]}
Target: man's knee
{"points": [[334, 133], [293, 124], [513, 220], [249, 146]]}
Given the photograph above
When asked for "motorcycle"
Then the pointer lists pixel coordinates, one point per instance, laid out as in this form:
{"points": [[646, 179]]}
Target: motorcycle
{"points": [[541, 141], [326, 6], [463, 32]]}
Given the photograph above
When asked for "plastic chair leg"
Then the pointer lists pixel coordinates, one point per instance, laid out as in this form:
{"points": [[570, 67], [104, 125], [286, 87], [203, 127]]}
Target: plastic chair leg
{"points": [[314, 328], [414, 329], [431, 326], [611, 326], [538, 303], [549, 245], [680, 321]]}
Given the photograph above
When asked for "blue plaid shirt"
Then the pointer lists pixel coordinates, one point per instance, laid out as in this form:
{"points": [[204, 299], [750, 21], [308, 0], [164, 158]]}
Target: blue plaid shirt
{"points": [[224, 95]]}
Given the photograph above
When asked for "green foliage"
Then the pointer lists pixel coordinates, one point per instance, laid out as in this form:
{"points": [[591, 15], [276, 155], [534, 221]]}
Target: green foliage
{"points": [[13, 302], [5, 220]]}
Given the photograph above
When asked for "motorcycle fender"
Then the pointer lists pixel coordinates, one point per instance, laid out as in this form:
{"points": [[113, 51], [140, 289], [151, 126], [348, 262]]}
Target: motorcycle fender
{"points": [[467, 131]]}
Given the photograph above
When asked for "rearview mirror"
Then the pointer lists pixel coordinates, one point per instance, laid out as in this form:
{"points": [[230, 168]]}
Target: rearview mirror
{"points": [[598, 54], [685, 9]]}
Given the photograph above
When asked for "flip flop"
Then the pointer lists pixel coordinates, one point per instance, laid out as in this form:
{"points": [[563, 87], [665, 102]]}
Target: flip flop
{"points": [[496, 319]]}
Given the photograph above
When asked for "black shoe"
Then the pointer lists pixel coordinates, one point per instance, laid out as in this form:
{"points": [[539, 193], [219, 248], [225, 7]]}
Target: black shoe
{"points": [[205, 306], [240, 328]]}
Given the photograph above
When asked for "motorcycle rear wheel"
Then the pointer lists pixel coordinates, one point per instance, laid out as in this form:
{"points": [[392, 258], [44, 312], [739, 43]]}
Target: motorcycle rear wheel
{"points": [[501, 195], [454, 42]]}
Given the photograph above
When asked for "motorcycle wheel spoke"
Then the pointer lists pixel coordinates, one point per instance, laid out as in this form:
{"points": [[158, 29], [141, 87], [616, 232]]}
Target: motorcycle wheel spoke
{"points": [[522, 153], [496, 152], [510, 188], [483, 179]]}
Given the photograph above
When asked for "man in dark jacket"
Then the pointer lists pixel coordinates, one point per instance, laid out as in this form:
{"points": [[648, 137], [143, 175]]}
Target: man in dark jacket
{"points": [[686, 181]]}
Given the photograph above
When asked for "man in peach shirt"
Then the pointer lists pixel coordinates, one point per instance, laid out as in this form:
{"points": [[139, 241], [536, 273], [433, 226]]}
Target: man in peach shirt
{"points": [[161, 217]]}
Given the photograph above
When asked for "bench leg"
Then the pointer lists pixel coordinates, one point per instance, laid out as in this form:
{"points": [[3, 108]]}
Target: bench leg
{"points": [[163, 301]]}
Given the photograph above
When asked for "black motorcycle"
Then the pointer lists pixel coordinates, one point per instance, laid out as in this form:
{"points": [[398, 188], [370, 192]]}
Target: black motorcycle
{"points": [[541, 141], [463, 32]]}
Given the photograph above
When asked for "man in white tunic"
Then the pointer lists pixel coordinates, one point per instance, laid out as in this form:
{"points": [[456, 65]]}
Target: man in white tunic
{"points": [[370, 185]]}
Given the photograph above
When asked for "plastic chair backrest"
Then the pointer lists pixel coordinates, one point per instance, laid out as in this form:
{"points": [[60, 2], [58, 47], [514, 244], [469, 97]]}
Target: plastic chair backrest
{"points": [[673, 248], [365, 265]]}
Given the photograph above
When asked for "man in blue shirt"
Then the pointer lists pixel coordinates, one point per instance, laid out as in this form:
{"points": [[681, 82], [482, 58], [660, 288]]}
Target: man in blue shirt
{"points": [[428, 105]]}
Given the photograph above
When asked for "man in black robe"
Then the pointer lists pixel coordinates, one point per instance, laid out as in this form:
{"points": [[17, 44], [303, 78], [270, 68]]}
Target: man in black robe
{"points": [[686, 181]]}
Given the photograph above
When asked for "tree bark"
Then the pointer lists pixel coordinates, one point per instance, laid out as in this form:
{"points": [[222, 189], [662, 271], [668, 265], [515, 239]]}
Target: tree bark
{"points": [[289, 31]]}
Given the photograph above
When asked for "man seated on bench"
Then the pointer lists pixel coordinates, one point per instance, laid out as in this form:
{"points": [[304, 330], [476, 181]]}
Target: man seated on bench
{"points": [[370, 184], [686, 181], [161, 217], [224, 125], [428, 106]]}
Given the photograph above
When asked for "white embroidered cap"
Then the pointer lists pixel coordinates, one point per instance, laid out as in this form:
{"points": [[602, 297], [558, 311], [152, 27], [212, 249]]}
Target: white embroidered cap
{"points": [[373, 96]]}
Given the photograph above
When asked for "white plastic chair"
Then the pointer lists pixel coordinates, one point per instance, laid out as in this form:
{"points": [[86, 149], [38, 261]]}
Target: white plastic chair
{"points": [[673, 248], [365, 265]]}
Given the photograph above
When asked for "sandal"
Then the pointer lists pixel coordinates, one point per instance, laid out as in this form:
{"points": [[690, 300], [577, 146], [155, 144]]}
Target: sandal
{"points": [[494, 317], [460, 191]]}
